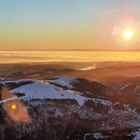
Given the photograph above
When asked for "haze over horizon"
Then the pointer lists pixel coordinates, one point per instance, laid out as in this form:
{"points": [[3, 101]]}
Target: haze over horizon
{"points": [[70, 25]]}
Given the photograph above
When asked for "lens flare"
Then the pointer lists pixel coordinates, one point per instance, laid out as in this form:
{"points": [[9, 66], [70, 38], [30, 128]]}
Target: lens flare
{"points": [[13, 107]]}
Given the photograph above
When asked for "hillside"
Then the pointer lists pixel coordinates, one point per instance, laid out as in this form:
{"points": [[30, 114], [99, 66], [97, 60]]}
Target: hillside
{"points": [[66, 108]]}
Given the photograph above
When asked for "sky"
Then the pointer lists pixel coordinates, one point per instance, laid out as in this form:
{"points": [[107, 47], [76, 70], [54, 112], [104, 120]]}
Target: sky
{"points": [[68, 24]]}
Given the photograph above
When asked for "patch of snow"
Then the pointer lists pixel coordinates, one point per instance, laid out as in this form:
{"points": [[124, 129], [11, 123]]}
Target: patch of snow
{"points": [[101, 101], [98, 136], [58, 113], [14, 81], [95, 136], [137, 135], [64, 81]]}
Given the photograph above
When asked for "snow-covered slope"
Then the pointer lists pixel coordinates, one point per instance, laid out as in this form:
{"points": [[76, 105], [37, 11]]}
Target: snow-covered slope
{"points": [[53, 98], [45, 90], [55, 88]]}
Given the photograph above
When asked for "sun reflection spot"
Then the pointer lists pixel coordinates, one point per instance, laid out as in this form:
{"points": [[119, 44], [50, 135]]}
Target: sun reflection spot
{"points": [[13, 107]]}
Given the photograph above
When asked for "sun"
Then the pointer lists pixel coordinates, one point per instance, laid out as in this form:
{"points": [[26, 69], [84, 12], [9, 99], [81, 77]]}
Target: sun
{"points": [[128, 34]]}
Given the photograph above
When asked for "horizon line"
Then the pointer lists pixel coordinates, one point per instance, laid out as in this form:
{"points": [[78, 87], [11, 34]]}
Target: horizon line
{"points": [[78, 50]]}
